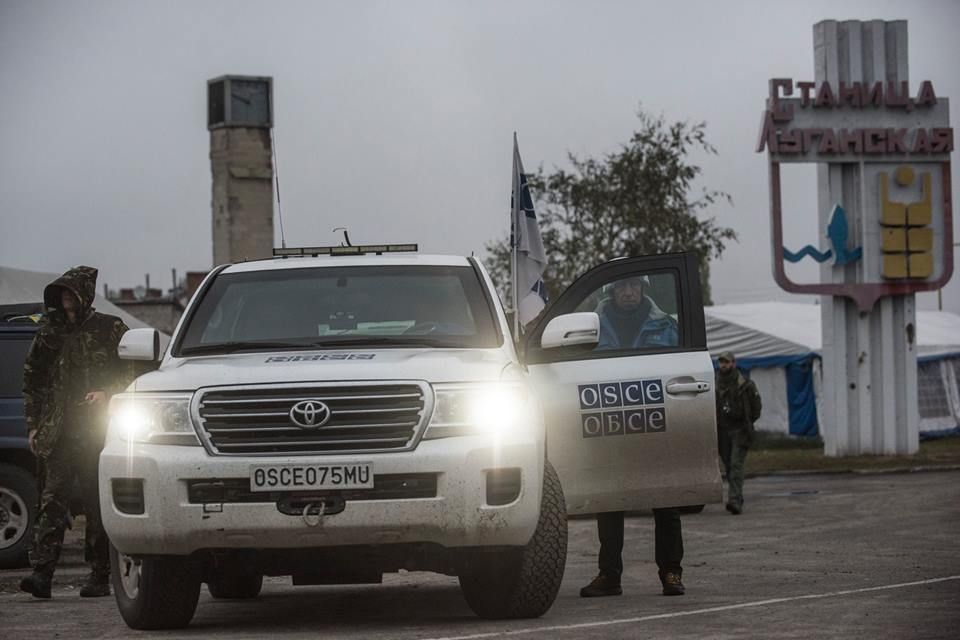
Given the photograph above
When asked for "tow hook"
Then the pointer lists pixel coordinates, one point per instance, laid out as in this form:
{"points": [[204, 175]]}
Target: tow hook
{"points": [[307, 515], [311, 509]]}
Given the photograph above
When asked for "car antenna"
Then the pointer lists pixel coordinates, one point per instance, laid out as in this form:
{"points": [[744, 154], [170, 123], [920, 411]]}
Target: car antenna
{"points": [[346, 236], [276, 179]]}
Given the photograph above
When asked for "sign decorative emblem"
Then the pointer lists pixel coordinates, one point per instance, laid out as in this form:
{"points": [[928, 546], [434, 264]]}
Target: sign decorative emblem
{"points": [[310, 414], [907, 236]]}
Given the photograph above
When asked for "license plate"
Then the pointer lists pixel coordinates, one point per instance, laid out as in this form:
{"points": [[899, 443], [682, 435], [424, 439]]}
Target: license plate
{"points": [[290, 477]]}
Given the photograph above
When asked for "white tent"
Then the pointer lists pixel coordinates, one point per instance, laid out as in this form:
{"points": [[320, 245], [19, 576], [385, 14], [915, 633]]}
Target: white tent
{"points": [[779, 343], [20, 287]]}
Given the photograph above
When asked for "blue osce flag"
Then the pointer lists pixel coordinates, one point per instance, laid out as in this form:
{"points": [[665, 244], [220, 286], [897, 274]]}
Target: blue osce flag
{"points": [[529, 258]]}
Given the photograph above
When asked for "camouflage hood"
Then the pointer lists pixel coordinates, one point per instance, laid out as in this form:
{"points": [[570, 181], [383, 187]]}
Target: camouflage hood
{"points": [[82, 281]]}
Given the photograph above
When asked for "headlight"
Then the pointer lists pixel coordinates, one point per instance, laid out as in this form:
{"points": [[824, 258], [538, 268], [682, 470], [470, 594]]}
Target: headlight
{"points": [[156, 418], [473, 409]]}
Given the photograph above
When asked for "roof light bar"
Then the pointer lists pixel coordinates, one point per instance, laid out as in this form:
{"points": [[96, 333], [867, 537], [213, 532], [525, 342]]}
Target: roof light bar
{"points": [[357, 250]]}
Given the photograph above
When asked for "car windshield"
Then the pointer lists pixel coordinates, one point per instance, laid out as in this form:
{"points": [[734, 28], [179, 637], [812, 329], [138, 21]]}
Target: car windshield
{"points": [[401, 306]]}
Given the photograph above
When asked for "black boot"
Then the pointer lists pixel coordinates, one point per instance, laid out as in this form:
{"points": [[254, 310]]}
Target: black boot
{"points": [[672, 585], [96, 585], [603, 585], [37, 584]]}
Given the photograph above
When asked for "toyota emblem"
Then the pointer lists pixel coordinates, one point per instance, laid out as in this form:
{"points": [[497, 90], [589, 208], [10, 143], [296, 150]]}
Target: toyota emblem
{"points": [[310, 414]]}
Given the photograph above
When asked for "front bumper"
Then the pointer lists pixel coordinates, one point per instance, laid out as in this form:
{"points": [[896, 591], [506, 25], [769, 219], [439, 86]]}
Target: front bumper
{"points": [[458, 516]]}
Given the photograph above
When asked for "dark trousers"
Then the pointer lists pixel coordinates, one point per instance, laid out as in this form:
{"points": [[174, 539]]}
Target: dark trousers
{"points": [[69, 472], [668, 541], [733, 448]]}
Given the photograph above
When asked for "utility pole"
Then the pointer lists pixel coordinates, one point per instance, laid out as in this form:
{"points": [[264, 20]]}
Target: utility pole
{"points": [[940, 290]]}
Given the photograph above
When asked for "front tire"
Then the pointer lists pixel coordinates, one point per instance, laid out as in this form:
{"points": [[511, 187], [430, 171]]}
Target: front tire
{"points": [[522, 583], [18, 511], [155, 593]]}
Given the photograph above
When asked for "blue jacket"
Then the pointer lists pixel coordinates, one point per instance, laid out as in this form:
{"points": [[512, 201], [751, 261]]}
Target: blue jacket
{"points": [[658, 330]]}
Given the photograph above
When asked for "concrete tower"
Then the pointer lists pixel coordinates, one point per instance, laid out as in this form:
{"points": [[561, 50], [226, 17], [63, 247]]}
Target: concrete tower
{"points": [[239, 117]]}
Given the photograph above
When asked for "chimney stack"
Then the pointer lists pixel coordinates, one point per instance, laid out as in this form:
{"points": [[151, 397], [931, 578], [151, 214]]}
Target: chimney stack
{"points": [[239, 118]]}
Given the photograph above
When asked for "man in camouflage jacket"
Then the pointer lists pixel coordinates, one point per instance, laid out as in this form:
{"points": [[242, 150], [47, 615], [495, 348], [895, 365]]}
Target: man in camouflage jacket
{"points": [[738, 407], [70, 373]]}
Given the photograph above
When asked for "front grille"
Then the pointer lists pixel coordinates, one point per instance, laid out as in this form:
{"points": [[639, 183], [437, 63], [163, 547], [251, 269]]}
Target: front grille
{"points": [[363, 418], [395, 486]]}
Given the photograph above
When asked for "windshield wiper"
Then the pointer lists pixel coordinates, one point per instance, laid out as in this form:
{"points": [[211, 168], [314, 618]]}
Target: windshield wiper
{"points": [[228, 347]]}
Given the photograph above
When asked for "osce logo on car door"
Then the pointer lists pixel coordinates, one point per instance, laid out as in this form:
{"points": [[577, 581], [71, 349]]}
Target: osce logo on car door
{"points": [[622, 408]]}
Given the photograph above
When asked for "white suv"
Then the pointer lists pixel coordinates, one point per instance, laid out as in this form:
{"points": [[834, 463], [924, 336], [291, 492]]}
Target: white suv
{"points": [[333, 418]]}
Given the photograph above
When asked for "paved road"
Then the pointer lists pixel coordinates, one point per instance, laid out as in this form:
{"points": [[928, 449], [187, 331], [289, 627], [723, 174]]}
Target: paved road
{"points": [[812, 557]]}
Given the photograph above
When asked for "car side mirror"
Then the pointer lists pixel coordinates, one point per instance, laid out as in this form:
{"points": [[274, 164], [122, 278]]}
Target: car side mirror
{"points": [[140, 344], [570, 329]]}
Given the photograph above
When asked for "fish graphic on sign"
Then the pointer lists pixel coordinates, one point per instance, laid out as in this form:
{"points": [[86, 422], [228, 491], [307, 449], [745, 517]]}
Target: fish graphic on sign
{"points": [[838, 232]]}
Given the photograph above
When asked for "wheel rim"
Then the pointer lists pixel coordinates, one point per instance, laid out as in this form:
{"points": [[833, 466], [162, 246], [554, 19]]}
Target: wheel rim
{"points": [[14, 518], [130, 571]]}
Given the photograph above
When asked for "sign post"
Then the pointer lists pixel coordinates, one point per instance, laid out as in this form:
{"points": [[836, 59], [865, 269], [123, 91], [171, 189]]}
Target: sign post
{"points": [[884, 204]]}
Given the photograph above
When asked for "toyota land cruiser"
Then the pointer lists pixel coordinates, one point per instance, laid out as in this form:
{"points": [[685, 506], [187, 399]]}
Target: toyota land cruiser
{"points": [[333, 418]]}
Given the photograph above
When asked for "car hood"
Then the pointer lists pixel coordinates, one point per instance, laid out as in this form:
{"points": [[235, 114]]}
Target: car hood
{"points": [[432, 365]]}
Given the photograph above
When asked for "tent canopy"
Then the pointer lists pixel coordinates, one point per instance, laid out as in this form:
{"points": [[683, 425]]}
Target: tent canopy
{"points": [[775, 329], [779, 343]]}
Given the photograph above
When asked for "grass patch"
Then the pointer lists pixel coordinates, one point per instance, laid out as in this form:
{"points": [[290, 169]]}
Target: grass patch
{"points": [[773, 454]]}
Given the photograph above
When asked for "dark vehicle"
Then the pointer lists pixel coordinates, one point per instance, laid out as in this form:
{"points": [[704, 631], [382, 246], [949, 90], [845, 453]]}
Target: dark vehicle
{"points": [[18, 483]]}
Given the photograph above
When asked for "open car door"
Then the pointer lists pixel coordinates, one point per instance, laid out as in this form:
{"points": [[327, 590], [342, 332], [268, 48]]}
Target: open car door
{"points": [[626, 384]]}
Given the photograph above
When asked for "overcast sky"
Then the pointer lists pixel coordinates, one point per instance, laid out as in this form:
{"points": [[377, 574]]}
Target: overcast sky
{"points": [[395, 118]]}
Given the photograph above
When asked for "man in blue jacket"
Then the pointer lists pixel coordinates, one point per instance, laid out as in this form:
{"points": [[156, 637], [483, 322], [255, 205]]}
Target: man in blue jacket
{"points": [[630, 319]]}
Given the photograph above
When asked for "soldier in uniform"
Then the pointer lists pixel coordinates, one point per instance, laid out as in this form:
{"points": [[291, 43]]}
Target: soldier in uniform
{"points": [[630, 319], [70, 373], [738, 407]]}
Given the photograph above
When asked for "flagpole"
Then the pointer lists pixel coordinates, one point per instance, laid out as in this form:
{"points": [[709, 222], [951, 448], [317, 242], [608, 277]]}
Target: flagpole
{"points": [[513, 288], [513, 244]]}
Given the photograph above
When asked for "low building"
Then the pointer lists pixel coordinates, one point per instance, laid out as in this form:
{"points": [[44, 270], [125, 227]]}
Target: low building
{"points": [[157, 309]]}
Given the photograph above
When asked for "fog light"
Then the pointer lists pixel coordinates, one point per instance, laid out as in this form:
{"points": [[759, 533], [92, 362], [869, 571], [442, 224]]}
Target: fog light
{"points": [[503, 486], [128, 495]]}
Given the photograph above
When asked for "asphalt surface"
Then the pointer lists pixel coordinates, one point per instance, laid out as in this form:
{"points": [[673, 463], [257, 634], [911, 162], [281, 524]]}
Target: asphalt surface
{"points": [[820, 556]]}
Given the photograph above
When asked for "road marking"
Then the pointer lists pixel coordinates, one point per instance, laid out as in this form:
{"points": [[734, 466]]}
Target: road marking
{"points": [[693, 612]]}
